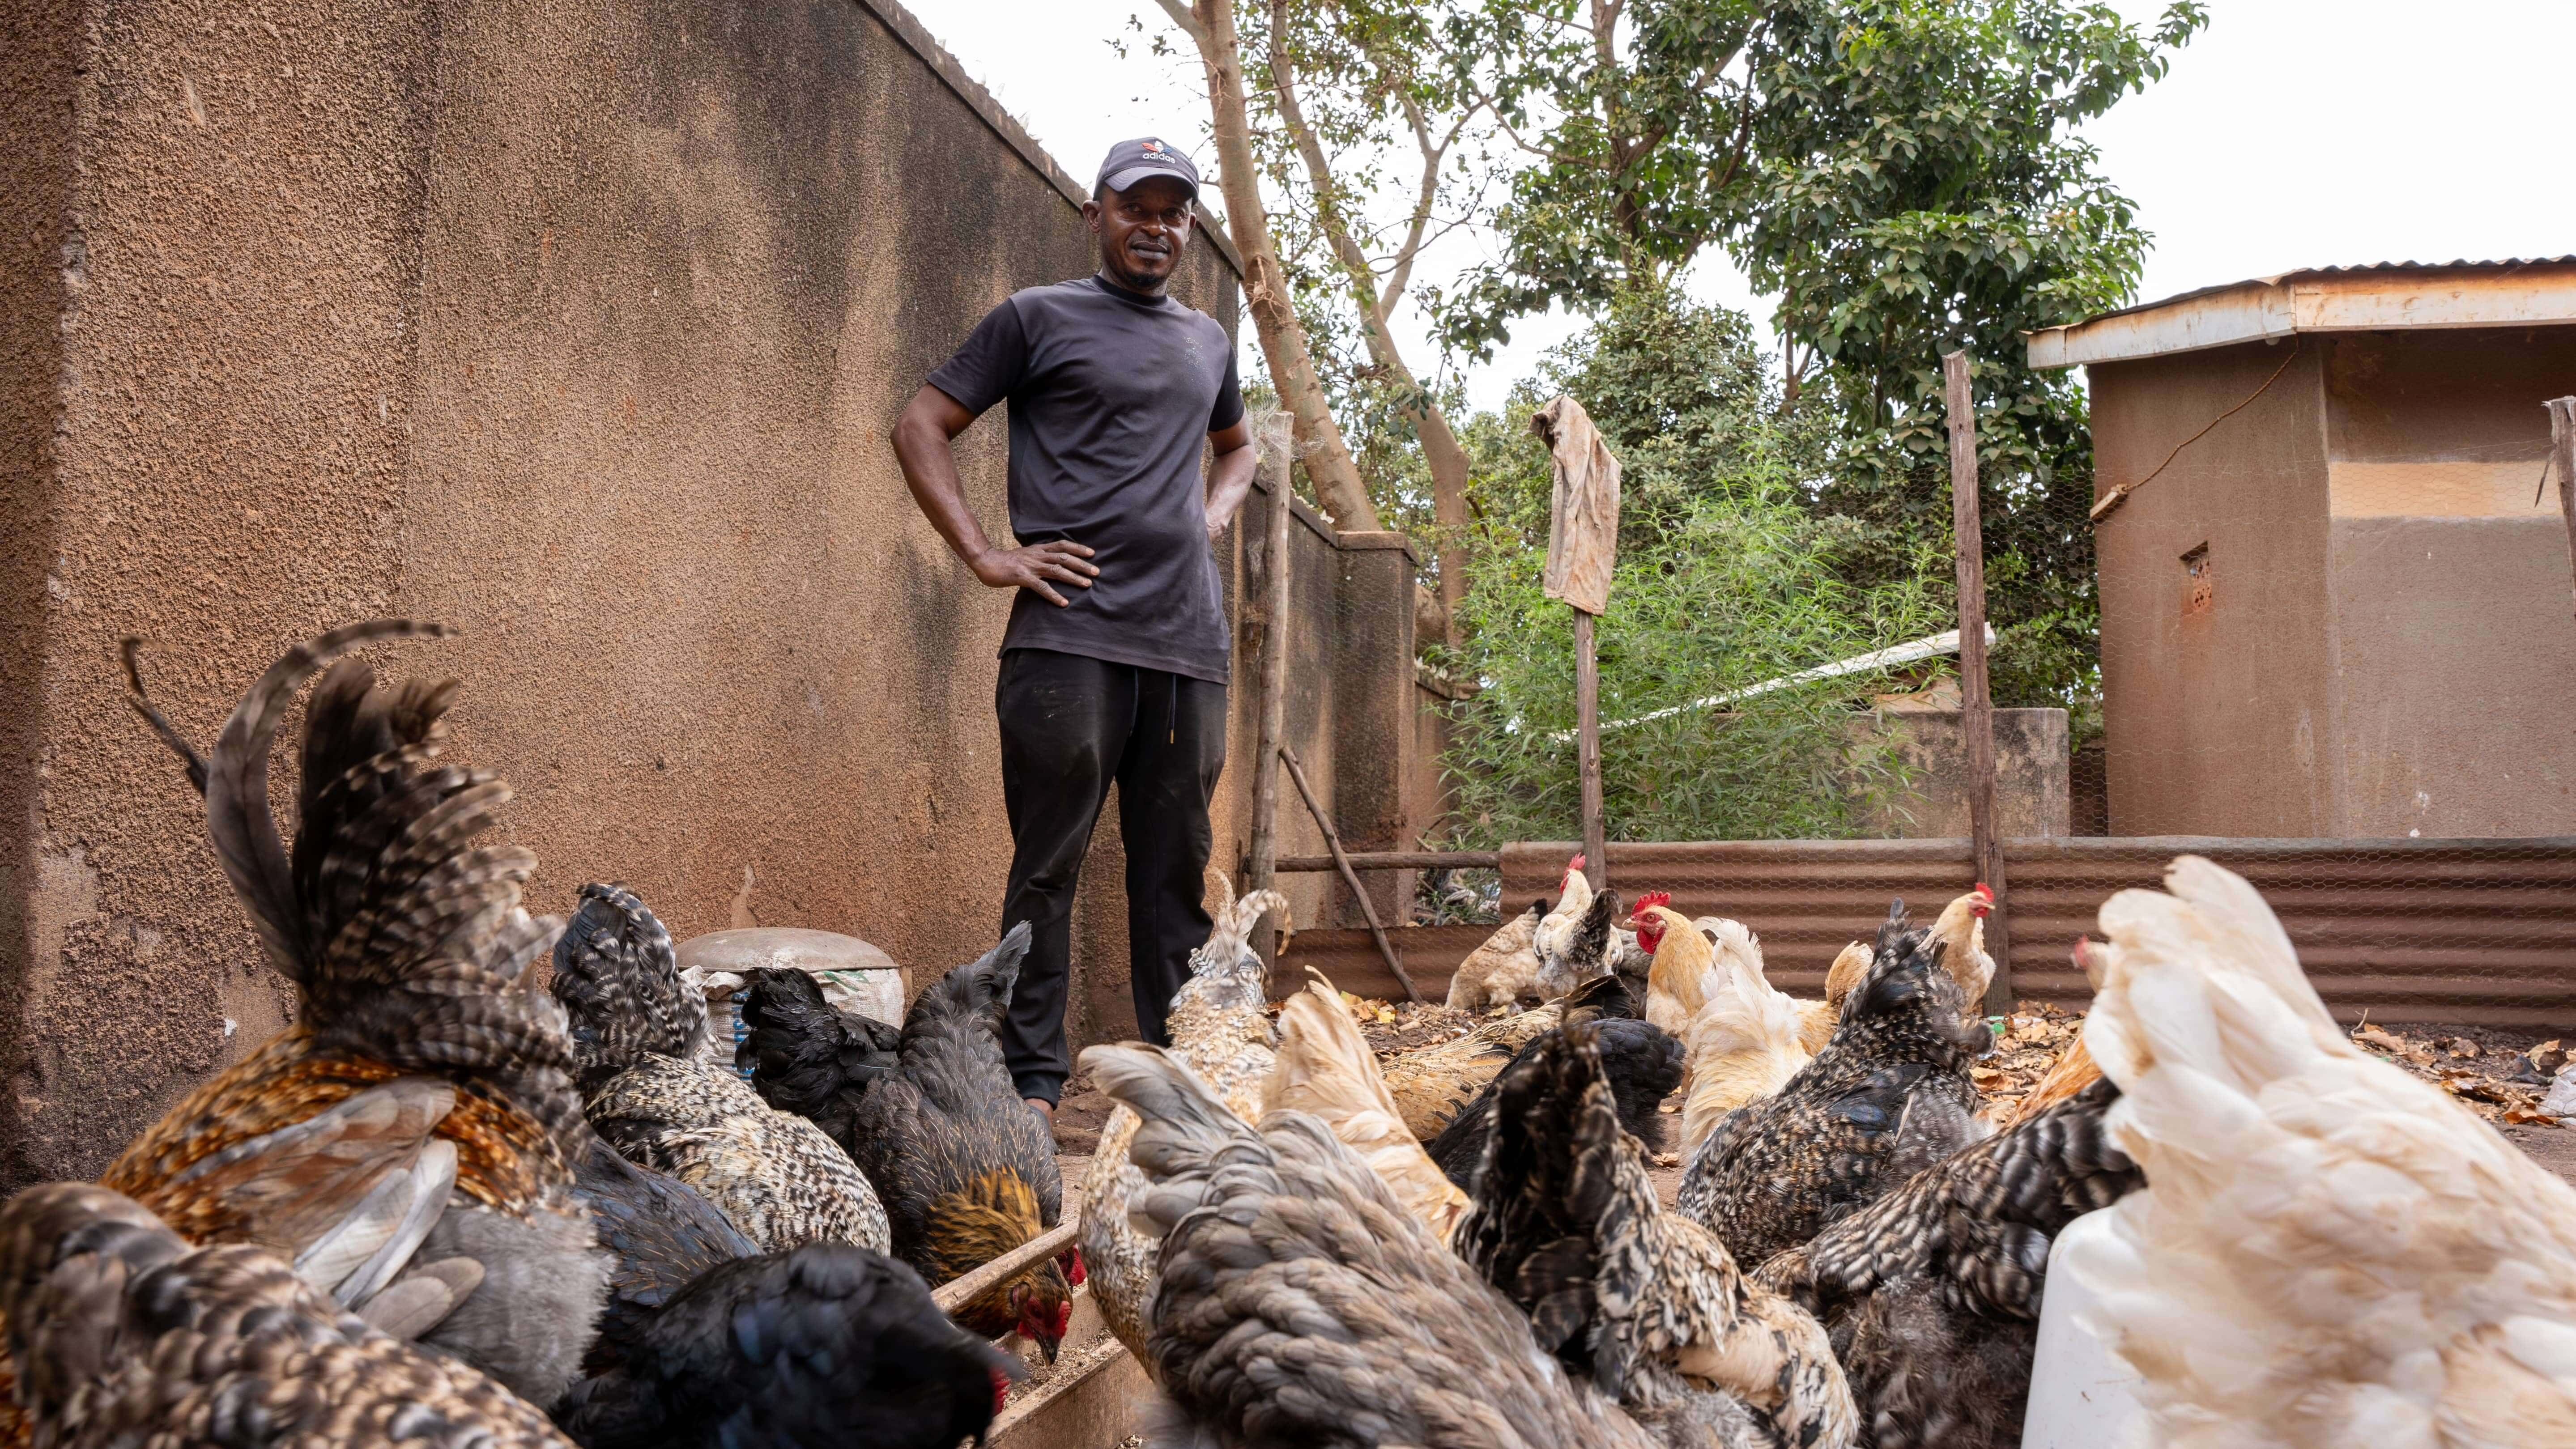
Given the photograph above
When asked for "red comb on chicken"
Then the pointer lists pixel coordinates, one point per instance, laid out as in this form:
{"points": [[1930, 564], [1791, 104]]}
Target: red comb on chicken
{"points": [[1649, 928], [1986, 900], [1573, 868], [1070, 1260]]}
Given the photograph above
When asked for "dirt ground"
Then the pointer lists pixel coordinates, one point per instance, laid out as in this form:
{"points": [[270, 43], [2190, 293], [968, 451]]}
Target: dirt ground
{"points": [[2500, 1073]]}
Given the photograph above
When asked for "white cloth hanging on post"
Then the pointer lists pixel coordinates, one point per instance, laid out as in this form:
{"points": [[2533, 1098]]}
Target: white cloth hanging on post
{"points": [[1583, 511]]}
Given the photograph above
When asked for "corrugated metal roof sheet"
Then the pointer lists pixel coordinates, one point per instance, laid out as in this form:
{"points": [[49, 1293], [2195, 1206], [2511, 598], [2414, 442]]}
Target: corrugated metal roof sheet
{"points": [[2371, 297]]}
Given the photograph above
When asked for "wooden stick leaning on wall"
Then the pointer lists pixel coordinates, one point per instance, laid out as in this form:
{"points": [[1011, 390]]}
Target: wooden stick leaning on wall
{"points": [[1271, 690], [1350, 877], [2562, 461], [1976, 703]]}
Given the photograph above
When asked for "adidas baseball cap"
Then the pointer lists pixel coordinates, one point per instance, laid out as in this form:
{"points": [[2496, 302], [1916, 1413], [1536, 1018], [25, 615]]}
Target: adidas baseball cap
{"points": [[1132, 161]]}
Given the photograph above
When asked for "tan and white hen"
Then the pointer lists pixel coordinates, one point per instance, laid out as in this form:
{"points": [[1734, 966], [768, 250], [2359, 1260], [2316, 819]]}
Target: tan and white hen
{"points": [[1324, 1066]]}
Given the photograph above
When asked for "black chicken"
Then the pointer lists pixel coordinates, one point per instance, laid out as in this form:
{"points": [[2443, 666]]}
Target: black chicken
{"points": [[967, 1169], [807, 1057], [827, 1345], [1888, 1096], [1932, 1292], [1643, 1062]]}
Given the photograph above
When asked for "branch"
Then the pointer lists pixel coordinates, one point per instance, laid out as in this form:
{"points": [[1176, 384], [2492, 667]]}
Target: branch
{"points": [[1188, 22], [1401, 275], [1328, 209]]}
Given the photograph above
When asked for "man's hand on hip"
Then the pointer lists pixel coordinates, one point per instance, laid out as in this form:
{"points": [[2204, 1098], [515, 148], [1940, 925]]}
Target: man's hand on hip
{"points": [[1032, 566]]}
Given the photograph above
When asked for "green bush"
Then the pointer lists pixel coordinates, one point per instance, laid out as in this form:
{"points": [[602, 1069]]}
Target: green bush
{"points": [[1726, 578]]}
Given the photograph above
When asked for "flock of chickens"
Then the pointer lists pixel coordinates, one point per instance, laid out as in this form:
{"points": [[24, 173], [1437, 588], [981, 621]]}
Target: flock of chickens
{"points": [[451, 1207]]}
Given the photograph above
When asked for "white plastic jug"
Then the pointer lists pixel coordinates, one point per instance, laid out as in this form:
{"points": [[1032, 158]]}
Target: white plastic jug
{"points": [[2080, 1396]]}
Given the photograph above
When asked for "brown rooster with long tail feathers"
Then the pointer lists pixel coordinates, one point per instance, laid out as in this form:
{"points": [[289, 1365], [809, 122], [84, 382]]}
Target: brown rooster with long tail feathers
{"points": [[407, 1142]]}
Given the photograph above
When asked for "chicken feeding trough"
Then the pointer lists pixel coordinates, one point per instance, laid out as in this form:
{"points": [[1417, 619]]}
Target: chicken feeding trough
{"points": [[1092, 1396], [855, 975]]}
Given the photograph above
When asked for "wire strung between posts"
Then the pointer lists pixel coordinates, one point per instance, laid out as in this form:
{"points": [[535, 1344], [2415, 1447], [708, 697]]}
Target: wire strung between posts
{"points": [[2116, 496]]}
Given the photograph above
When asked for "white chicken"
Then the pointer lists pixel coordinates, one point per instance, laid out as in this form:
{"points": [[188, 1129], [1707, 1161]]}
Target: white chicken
{"points": [[1568, 952], [1744, 1045], [2328, 1251]]}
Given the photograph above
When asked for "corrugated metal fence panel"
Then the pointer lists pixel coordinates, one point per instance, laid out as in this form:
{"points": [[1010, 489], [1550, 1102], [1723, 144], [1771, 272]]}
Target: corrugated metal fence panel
{"points": [[2408, 930], [1806, 899]]}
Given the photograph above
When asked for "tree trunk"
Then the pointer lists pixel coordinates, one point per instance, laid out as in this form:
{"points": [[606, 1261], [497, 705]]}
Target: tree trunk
{"points": [[1440, 449], [1210, 24]]}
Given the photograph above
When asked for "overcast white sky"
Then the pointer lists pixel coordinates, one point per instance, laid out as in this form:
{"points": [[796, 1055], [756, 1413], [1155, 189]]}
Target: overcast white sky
{"points": [[2291, 133]]}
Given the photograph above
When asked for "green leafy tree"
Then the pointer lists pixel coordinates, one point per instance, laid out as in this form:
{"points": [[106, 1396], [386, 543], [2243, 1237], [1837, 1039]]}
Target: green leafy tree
{"points": [[1725, 579], [1907, 175]]}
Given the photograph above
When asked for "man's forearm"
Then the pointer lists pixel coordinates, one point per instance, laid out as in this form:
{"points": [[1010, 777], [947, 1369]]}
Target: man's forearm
{"points": [[1229, 480], [930, 472]]}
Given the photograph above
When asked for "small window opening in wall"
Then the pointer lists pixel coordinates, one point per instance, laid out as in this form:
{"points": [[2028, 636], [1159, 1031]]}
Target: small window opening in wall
{"points": [[2196, 581]]}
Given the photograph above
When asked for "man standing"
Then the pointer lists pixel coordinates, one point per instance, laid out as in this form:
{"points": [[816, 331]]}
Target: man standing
{"points": [[1114, 663]]}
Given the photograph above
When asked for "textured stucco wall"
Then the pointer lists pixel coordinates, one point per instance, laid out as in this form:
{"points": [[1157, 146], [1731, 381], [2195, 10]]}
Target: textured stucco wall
{"points": [[580, 328], [2449, 585], [2031, 766], [2217, 721], [2386, 628]]}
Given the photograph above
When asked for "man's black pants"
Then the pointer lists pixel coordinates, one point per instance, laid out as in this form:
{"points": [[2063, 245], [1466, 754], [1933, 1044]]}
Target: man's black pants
{"points": [[1071, 725]]}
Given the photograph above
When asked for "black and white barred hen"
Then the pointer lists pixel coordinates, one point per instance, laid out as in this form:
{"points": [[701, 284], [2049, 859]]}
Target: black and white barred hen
{"points": [[1888, 1096], [1300, 1306], [1644, 1302], [406, 1142], [637, 1029], [1932, 1292], [123, 1334]]}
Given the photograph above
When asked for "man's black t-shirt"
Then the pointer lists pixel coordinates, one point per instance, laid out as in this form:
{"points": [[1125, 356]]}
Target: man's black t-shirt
{"points": [[1112, 397]]}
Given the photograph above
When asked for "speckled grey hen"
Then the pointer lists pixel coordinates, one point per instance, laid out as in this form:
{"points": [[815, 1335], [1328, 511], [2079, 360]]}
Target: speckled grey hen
{"points": [[124, 1335], [1888, 1096], [1932, 1292], [405, 1143], [1645, 1303], [1217, 1026], [637, 1028], [1300, 1306]]}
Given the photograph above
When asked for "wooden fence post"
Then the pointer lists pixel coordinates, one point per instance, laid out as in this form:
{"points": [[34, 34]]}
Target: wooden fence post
{"points": [[2562, 461], [1261, 870], [1976, 704], [1587, 729]]}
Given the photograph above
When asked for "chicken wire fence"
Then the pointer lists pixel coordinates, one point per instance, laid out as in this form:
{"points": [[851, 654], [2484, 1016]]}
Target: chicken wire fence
{"points": [[2341, 687]]}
